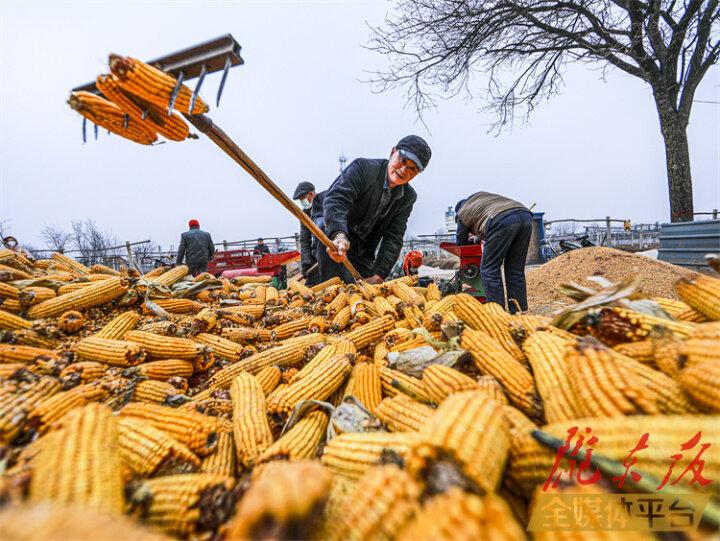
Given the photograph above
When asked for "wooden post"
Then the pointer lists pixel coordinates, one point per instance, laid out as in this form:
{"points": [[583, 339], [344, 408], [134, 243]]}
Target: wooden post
{"points": [[715, 214], [225, 246], [608, 232], [131, 263]]}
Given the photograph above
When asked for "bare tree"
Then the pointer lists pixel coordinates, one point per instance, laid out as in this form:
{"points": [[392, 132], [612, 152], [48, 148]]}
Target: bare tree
{"points": [[55, 238], [94, 245], [523, 46]]}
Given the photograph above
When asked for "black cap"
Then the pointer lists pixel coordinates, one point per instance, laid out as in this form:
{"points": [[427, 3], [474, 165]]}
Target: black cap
{"points": [[416, 149], [459, 205], [302, 189]]}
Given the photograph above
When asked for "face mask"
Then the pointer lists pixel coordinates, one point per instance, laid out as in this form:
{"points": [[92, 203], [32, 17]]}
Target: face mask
{"points": [[305, 204]]}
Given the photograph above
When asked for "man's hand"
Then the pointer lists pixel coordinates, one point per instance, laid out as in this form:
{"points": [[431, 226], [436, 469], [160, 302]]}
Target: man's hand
{"points": [[342, 245], [373, 280]]}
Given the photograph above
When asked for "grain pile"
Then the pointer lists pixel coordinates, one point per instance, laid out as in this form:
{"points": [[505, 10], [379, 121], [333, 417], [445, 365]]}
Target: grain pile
{"points": [[657, 278], [162, 406]]}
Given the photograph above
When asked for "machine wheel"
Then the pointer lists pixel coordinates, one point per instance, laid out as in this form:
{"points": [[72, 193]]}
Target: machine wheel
{"points": [[469, 271]]}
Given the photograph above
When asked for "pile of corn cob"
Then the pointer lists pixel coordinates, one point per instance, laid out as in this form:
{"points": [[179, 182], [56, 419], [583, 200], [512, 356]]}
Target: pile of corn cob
{"points": [[333, 412]]}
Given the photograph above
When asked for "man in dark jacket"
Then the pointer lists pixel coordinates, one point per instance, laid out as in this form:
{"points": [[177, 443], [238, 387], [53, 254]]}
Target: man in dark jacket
{"points": [[261, 248], [366, 211], [505, 225], [305, 195], [196, 247]]}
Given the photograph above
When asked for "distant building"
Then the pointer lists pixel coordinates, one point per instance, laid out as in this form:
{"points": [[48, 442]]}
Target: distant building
{"points": [[450, 225]]}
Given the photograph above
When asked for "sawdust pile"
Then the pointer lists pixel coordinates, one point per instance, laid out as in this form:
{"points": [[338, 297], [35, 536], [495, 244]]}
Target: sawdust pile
{"points": [[656, 277]]}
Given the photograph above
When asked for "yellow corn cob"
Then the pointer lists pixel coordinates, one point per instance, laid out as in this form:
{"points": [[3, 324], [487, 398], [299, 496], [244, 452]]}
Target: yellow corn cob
{"points": [[287, 498], [77, 267], [301, 289], [531, 463], [666, 351], [406, 294], [14, 408], [147, 451], [319, 384], [116, 328], [616, 325], [701, 382], [456, 515], [365, 385], [268, 378], [112, 352], [546, 354], [205, 320], [327, 283], [197, 431], [87, 370], [380, 505], [44, 521], [380, 354], [164, 328], [491, 387], [383, 307], [286, 355], [222, 461], [153, 85], [301, 441], [93, 295], [30, 296], [55, 407], [259, 295], [490, 318], [702, 292], [187, 504], [153, 391], [468, 428], [153, 273], [98, 277], [394, 382], [162, 370], [641, 351], [243, 280], [176, 306], [667, 394], [403, 414], [109, 116], [370, 332], [243, 335], [248, 311], [352, 454], [171, 276], [327, 352], [103, 269], [24, 354], [29, 337], [12, 322], [10, 369], [13, 274], [338, 303], [250, 427], [73, 287], [171, 127], [490, 358], [603, 385], [341, 319], [168, 347], [288, 374], [71, 321], [697, 350], [221, 347], [82, 466], [680, 310], [706, 331], [16, 259], [433, 292], [517, 420], [442, 381], [286, 330], [272, 297], [11, 306], [318, 324]]}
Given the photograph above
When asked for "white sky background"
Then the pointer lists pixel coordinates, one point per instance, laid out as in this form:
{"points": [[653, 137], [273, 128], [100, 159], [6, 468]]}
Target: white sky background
{"points": [[295, 105]]}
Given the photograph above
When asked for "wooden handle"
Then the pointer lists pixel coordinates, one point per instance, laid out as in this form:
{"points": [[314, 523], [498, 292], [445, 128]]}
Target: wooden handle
{"points": [[221, 139]]}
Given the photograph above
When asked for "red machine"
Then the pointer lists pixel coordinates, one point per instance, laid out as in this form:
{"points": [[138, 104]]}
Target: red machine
{"points": [[469, 271], [233, 263]]}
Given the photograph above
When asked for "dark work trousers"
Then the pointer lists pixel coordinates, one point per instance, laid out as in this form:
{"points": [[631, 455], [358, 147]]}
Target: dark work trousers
{"points": [[330, 269], [197, 268], [313, 277], [506, 243]]}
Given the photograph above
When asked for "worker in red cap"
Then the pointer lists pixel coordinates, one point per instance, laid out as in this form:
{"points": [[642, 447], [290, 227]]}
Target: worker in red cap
{"points": [[196, 247]]}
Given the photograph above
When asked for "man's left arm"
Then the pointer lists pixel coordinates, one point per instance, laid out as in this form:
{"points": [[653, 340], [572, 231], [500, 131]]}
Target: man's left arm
{"points": [[392, 239]]}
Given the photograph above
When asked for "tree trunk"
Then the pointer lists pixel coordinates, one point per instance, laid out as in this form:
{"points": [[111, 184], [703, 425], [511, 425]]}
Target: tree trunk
{"points": [[673, 126]]}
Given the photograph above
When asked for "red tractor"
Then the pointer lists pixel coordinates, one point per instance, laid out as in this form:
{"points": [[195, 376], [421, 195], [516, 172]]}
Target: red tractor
{"points": [[233, 263]]}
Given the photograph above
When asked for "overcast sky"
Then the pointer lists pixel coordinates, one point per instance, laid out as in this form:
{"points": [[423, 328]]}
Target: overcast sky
{"points": [[294, 107]]}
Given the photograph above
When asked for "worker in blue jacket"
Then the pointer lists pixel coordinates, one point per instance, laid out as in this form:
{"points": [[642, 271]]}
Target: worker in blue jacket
{"points": [[196, 247], [366, 210]]}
